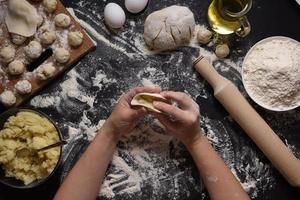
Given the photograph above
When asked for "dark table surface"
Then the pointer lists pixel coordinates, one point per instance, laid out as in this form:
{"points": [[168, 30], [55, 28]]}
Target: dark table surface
{"points": [[267, 17]]}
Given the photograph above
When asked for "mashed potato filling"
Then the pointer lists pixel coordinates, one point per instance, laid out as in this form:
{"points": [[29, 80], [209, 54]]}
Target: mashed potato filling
{"points": [[30, 130]]}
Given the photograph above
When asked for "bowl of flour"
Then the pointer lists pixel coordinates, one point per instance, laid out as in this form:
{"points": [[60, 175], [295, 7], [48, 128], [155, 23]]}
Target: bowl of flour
{"points": [[271, 73]]}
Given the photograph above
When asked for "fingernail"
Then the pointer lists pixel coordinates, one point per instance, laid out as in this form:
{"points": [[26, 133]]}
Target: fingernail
{"points": [[155, 103]]}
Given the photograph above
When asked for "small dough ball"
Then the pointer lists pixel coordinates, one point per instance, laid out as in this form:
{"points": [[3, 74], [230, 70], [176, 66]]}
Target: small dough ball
{"points": [[75, 38], [62, 20], [18, 39], [8, 98], [40, 20], [50, 5], [33, 50], [7, 54], [222, 50], [16, 67], [23, 87], [61, 55], [204, 36], [45, 71], [48, 37]]}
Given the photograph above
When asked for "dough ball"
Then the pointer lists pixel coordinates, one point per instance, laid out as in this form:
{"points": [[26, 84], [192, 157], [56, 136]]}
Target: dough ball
{"points": [[62, 20], [45, 71], [8, 98], [7, 54], [40, 20], [204, 36], [16, 67], [48, 37], [33, 50], [222, 50], [169, 28], [61, 55], [23, 87], [75, 38], [18, 39], [50, 5]]}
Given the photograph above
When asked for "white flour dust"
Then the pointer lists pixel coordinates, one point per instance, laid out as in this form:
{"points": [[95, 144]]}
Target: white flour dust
{"points": [[44, 101], [148, 158], [147, 149], [100, 80]]}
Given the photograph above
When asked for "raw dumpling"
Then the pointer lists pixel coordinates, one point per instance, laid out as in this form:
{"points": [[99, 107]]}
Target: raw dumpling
{"points": [[62, 20], [33, 50], [23, 87], [7, 54], [222, 50], [22, 18], [8, 98], [50, 5], [45, 71], [40, 20], [18, 39], [61, 55], [146, 100], [48, 37], [169, 28], [75, 38], [16, 67], [204, 36]]}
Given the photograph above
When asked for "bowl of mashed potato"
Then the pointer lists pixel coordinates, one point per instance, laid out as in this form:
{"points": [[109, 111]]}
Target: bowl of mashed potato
{"points": [[27, 128]]}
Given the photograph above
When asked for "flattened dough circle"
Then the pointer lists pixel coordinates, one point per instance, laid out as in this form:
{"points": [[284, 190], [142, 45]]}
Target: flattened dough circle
{"points": [[22, 18]]}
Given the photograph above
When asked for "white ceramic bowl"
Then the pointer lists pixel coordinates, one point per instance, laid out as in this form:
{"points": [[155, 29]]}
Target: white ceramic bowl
{"points": [[252, 96]]}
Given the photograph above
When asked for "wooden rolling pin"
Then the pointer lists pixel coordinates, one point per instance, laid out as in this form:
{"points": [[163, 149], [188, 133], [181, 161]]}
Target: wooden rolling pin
{"points": [[251, 122]]}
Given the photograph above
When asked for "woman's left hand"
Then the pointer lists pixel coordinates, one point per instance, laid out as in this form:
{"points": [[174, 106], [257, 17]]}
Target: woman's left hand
{"points": [[124, 118]]}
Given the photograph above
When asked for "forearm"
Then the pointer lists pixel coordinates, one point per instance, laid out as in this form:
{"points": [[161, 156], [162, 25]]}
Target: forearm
{"points": [[85, 178], [217, 177]]}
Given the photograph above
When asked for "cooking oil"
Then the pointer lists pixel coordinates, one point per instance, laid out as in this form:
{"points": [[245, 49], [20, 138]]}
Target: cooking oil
{"points": [[228, 16]]}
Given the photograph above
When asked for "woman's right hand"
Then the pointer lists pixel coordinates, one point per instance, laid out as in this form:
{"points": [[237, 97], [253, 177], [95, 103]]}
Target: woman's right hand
{"points": [[182, 121]]}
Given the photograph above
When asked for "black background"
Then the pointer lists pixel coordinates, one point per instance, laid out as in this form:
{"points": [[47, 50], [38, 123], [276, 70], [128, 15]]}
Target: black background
{"points": [[268, 18]]}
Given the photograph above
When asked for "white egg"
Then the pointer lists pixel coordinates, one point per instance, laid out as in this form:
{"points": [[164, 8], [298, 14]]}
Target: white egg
{"points": [[135, 6], [114, 15]]}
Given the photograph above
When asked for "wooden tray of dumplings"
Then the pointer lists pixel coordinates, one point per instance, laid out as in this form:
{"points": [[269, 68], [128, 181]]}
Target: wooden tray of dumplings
{"points": [[7, 82]]}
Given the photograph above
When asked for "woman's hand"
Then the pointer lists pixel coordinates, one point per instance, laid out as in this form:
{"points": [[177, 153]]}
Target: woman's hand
{"points": [[182, 121], [124, 118]]}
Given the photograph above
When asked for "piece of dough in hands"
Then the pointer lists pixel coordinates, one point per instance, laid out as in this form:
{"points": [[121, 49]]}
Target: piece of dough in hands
{"points": [[146, 100]]}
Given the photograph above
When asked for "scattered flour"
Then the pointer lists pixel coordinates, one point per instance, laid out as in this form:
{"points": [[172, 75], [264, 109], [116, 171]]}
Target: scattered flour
{"points": [[96, 34], [44, 101], [100, 80], [69, 89], [148, 158]]}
